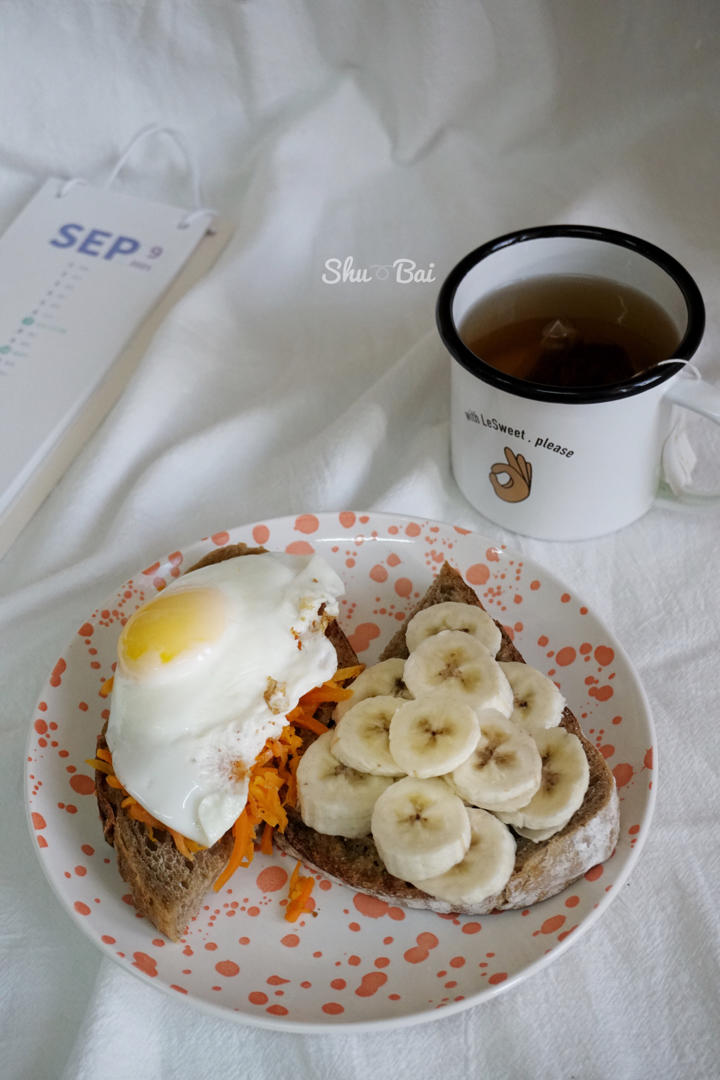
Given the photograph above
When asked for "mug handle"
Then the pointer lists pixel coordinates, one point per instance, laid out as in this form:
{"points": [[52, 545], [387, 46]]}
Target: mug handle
{"points": [[703, 398]]}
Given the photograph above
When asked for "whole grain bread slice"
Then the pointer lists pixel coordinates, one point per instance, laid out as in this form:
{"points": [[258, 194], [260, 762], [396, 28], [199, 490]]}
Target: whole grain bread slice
{"points": [[164, 885], [541, 870]]}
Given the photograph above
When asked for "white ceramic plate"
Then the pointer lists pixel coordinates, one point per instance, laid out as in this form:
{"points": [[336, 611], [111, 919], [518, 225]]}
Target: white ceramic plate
{"points": [[353, 960]]}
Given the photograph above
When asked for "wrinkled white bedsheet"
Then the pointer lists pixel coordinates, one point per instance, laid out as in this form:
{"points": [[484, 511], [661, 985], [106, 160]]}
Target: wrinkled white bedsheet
{"points": [[377, 132]]}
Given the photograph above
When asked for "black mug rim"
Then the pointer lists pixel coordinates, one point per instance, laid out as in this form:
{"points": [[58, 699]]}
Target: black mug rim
{"points": [[576, 395]]}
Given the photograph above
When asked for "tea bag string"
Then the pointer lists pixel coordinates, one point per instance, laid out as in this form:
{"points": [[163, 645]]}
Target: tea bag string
{"points": [[177, 137]]}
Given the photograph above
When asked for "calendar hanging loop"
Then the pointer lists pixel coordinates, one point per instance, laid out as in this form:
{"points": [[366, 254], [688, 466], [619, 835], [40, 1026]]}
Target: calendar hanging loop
{"points": [[179, 140], [177, 137]]}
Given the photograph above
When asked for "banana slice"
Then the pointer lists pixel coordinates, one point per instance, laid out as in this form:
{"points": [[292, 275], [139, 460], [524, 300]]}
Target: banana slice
{"points": [[504, 770], [565, 778], [432, 735], [361, 741], [451, 615], [537, 702], [334, 799], [452, 660], [383, 678], [420, 828], [486, 868]]}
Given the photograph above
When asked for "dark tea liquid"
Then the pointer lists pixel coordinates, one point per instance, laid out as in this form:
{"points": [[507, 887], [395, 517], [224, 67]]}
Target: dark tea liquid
{"points": [[570, 331]]}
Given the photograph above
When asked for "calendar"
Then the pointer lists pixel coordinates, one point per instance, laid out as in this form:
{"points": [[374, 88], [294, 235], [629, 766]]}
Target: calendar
{"points": [[86, 274]]}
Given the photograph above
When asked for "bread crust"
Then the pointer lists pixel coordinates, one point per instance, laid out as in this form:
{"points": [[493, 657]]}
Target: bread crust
{"points": [[541, 870]]}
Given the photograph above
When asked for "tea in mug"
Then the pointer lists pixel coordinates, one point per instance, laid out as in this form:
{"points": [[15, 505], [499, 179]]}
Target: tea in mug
{"points": [[569, 331]]}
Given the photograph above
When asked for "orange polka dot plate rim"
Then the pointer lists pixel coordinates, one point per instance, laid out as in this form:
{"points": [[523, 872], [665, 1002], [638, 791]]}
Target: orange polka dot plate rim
{"points": [[352, 962]]}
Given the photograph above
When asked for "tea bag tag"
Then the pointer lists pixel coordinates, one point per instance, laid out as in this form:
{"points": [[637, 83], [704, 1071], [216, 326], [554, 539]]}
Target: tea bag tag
{"points": [[86, 275], [678, 460]]}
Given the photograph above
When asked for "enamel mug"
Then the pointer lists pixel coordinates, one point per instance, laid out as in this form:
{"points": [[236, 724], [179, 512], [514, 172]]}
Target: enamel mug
{"points": [[569, 462]]}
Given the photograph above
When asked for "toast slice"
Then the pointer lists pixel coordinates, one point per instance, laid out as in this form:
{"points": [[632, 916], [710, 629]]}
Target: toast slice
{"points": [[165, 886], [541, 869]]}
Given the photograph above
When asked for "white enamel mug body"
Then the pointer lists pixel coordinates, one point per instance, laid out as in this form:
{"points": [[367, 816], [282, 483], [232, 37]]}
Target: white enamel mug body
{"points": [[560, 463]]}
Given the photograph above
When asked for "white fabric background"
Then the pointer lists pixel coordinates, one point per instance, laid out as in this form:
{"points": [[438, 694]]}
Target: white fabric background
{"points": [[379, 131]]}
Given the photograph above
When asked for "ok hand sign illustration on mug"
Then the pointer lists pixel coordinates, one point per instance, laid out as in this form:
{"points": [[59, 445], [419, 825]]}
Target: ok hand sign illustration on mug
{"points": [[511, 479]]}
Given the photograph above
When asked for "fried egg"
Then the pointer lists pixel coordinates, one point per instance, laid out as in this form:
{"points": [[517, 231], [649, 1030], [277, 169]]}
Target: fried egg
{"points": [[206, 672]]}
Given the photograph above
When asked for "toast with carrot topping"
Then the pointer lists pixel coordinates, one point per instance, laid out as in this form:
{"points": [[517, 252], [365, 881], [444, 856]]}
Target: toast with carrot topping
{"points": [[169, 877]]}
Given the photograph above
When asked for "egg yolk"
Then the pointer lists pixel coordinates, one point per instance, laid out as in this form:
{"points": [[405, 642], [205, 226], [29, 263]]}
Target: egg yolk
{"points": [[188, 621]]}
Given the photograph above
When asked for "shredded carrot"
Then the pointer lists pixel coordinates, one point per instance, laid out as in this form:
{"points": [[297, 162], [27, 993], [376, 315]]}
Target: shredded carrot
{"points": [[101, 766], [106, 688], [344, 673], [265, 755], [326, 692], [136, 811], [266, 844], [299, 891], [264, 801], [242, 850], [139, 813], [186, 847], [302, 719]]}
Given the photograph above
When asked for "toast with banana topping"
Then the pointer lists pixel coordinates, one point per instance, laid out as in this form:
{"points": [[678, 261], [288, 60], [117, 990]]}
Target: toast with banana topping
{"points": [[455, 777]]}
